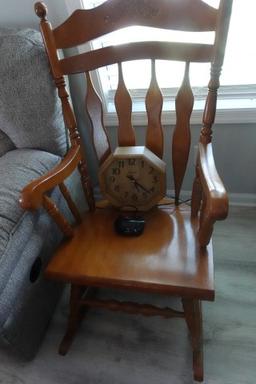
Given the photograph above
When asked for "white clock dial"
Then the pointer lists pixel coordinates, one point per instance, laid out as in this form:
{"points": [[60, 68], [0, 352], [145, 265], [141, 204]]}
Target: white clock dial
{"points": [[132, 180], [133, 177]]}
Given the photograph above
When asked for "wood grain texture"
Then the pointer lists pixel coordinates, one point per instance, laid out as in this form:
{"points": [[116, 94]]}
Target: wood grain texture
{"points": [[230, 333], [132, 308], [48, 39], [193, 316], [70, 121], [85, 25], [154, 104], [59, 219], [216, 66], [86, 184], [93, 106], [123, 104], [196, 197], [68, 114], [215, 200], [181, 137], [157, 261], [97, 58], [74, 318]]}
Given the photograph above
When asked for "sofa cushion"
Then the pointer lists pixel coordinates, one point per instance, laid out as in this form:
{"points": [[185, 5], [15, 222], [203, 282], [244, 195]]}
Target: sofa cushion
{"points": [[5, 143], [30, 111], [18, 168]]}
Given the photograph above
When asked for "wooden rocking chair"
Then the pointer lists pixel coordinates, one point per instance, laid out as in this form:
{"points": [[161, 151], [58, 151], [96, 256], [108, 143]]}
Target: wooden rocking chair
{"points": [[174, 254]]}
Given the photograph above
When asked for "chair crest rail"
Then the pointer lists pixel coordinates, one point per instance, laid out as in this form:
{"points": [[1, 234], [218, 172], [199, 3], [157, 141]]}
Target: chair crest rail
{"points": [[115, 14]]}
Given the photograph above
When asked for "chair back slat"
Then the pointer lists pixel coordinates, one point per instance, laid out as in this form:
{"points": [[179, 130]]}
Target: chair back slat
{"points": [[93, 106], [85, 25], [123, 103], [154, 104], [181, 136], [97, 58]]}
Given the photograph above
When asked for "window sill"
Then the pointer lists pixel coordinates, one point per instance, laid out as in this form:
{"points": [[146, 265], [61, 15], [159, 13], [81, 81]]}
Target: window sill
{"points": [[223, 116], [233, 107]]}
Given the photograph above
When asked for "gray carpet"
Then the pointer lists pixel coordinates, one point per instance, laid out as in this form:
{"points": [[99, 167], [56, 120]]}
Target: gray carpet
{"points": [[113, 348]]}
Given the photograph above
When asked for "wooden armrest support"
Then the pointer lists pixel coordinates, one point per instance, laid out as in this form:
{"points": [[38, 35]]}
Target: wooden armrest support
{"points": [[32, 195], [215, 200]]}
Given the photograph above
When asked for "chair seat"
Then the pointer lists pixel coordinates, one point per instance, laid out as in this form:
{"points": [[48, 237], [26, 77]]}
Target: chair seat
{"points": [[166, 258]]}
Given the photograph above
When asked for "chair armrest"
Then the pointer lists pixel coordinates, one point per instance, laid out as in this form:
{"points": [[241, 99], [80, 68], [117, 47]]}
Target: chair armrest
{"points": [[215, 199], [32, 195], [213, 188]]}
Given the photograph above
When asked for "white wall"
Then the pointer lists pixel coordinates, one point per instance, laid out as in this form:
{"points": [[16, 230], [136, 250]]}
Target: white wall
{"points": [[20, 13]]}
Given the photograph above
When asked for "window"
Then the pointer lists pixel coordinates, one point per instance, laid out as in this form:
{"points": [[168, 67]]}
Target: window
{"points": [[238, 80]]}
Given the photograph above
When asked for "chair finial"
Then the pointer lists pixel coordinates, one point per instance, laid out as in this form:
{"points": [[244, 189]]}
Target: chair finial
{"points": [[41, 10]]}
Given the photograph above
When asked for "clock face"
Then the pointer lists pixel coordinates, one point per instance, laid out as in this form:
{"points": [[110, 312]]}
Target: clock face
{"points": [[133, 177]]}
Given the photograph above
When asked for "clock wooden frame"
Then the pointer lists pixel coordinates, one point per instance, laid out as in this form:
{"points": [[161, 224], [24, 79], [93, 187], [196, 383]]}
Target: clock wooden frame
{"points": [[156, 165]]}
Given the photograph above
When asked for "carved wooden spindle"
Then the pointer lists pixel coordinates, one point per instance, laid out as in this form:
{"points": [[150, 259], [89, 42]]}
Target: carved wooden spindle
{"points": [[154, 104], [220, 43], [181, 137], [123, 103], [86, 184], [72, 206], [93, 107], [70, 122], [68, 113], [210, 106], [59, 219], [196, 195], [206, 218], [133, 308]]}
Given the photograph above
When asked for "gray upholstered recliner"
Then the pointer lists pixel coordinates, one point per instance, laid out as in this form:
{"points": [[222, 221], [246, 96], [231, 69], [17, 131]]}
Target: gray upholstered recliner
{"points": [[32, 140]]}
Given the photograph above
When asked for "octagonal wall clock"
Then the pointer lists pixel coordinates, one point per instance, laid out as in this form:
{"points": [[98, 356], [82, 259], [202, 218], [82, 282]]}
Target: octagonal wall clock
{"points": [[133, 177]]}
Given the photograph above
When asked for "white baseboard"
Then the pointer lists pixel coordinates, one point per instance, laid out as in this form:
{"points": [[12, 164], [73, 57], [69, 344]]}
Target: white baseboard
{"points": [[242, 199], [237, 199]]}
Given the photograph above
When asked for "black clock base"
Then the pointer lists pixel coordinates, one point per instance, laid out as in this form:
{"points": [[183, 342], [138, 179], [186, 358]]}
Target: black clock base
{"points": [[129, 225]]}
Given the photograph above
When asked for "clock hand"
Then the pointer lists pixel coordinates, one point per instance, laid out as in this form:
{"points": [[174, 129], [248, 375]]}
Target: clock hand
{"points": [[142, 187], [133, 181], [137, 184]]}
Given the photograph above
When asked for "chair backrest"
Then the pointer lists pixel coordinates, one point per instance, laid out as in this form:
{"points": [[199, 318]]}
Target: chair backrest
{"points": [[85, 25]]}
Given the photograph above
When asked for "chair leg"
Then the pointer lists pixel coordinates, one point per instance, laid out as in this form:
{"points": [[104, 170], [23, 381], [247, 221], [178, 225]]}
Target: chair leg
{"points": [[193, 316], [75, 316]]}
